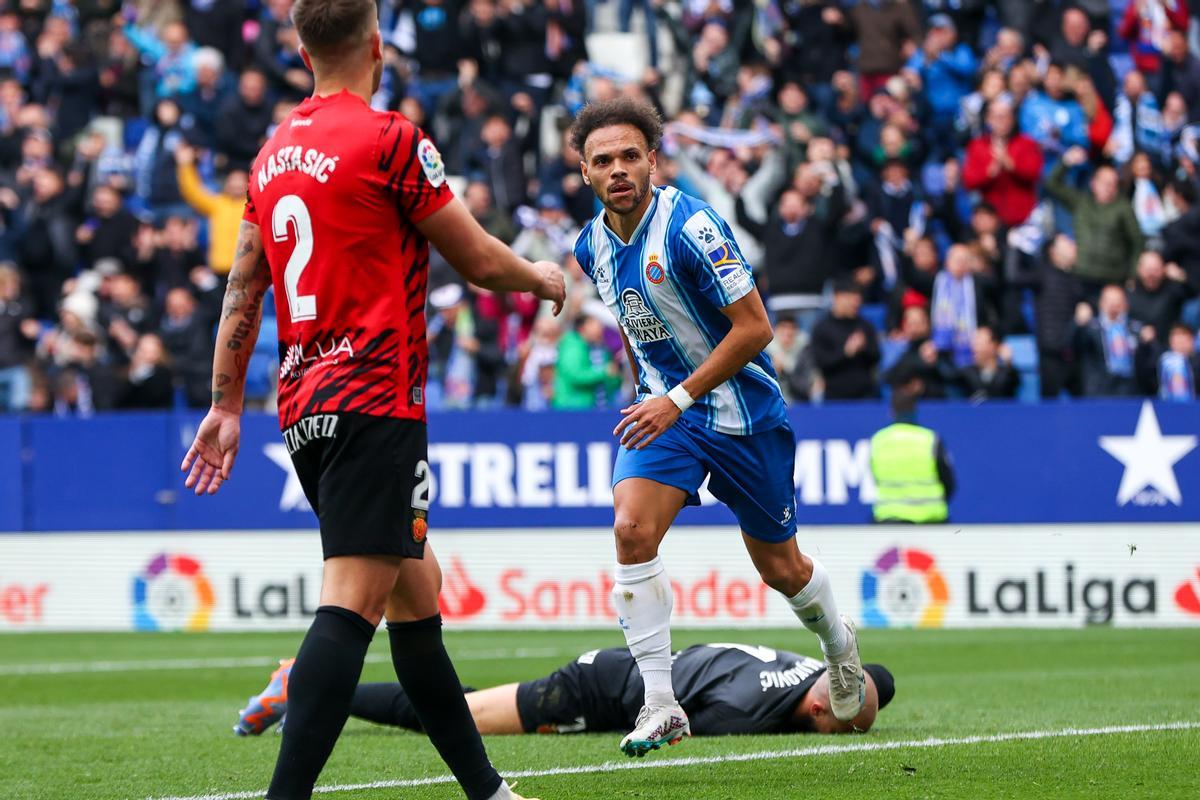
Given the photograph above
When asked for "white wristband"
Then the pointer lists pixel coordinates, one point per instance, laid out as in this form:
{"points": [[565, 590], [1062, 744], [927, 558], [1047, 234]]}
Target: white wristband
{"points": [[680, 397]]}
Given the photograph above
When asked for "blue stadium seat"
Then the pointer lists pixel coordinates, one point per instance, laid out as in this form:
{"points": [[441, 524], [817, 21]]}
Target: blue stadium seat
{"points": [[268, 335], [258, 375], [890, 351], [263, 361], [876, 314], [1025, 361], [1030, 388], [1029, 309], [1024, 350]]}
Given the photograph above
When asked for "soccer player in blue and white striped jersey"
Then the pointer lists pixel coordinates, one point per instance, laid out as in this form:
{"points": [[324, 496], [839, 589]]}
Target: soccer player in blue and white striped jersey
{"points": [[708, 405]]}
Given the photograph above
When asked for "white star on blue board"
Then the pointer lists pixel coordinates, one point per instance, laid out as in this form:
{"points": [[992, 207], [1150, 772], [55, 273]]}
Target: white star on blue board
{"points": [[293, 498], [1149, 458]]}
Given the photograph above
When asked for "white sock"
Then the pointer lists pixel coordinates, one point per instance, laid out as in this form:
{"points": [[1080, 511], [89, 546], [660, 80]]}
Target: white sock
{"points": [[816, 608], [643, 599], [503, 793]]}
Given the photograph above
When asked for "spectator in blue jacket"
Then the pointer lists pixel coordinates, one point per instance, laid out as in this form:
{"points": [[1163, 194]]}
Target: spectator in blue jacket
{"points": [[155, 187], [202, 105], [15, 53], [946, 70], [169, 57], [1052, 118]]}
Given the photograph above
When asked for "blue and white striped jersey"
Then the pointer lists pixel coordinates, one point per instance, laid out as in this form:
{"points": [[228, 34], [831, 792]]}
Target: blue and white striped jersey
{"points": [[667, 288]]}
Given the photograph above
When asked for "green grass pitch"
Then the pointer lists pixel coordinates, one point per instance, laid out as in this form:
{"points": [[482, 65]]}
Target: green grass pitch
{"points": [[102, 717]]}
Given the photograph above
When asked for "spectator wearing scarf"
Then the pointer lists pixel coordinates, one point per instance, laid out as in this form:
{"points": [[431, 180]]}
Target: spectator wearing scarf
{"points": [[1139, 123], [156, 188], [1112, 348], [1146, 26], [1178, 370], [955, 307]]}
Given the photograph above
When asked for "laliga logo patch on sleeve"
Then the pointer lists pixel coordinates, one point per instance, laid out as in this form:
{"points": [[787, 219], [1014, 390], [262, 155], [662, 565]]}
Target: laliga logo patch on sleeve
{"points": [[720, 252], [730, 270], [724, 261], [431, 162]]}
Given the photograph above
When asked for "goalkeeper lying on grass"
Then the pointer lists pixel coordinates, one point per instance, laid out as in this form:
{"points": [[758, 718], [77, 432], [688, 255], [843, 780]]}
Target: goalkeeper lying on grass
{"points": [[724, 688]]}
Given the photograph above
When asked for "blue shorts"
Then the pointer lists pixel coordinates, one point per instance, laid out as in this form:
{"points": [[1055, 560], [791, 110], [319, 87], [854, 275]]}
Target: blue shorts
{"points": [[753, 475]]}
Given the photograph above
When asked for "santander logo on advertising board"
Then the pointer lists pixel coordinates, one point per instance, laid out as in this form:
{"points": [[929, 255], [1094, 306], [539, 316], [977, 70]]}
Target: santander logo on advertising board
{"points": [[514, 594], [589, 599], [1187, 595], [460, 599]]}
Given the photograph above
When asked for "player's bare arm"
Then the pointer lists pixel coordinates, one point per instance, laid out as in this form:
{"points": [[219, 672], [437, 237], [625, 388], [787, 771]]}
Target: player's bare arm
{"points": [[644, 422], [486, 261], [210, 458]]}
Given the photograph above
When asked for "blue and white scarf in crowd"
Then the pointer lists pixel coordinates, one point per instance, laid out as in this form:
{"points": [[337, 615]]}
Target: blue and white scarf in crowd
{"points": [[1118, 346], [728, 138], [889, 242], [887, 246], [954, 316], [1148, 207], [1140, 128], [1175, 378]]}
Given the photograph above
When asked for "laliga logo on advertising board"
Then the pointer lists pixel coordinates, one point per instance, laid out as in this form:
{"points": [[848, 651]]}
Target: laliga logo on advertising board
{"points": [[460, 599], [904, 588], [172, 594]]}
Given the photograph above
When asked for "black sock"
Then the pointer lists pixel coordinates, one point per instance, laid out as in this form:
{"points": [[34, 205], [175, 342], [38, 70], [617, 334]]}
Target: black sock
{"points": [[385, 704], [320, 686], [428, 677]]}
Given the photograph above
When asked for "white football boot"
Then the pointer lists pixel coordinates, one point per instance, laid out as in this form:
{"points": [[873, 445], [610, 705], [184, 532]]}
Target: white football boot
{"points": [[505, 792], [847, 684], [656, 726]]}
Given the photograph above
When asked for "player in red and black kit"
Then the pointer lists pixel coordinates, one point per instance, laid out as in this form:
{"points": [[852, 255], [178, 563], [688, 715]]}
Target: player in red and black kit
{"points": [[343, 203]]}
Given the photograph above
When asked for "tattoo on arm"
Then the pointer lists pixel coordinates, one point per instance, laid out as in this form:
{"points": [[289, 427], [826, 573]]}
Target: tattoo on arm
{"points": [[241, 313], [250, 269], [251, 314]]}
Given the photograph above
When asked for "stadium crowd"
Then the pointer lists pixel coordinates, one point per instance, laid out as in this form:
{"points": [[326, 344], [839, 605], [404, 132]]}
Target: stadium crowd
{"points": [[996, 196]]}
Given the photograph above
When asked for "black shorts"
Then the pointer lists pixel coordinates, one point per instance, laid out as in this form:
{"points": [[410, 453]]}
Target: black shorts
{"points": [[367, 479], [599, 691]]}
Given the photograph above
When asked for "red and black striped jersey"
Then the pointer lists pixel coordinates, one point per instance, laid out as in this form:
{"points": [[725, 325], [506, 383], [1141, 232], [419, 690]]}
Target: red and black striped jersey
{"points": [[337, 192]]}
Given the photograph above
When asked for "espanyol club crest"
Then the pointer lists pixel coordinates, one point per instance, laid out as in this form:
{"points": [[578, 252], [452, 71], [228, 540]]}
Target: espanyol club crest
{"points": [[654, 271]]}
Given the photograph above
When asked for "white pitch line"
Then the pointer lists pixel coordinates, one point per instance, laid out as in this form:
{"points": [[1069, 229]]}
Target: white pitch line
{"points": [[762, 755], [77, 667]]}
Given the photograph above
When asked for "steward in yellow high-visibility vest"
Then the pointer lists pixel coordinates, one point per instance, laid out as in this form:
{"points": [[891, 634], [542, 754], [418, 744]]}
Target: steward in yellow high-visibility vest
{"points": [[913, 474]]}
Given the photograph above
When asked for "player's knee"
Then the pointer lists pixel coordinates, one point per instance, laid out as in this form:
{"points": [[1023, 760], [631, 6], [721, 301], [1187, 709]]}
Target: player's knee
{"points": [[782, 575], [636, 540]]}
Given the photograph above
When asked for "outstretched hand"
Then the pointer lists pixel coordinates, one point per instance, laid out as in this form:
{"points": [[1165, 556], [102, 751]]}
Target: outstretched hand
{"points": [[210, 459], [553, 286], [644, 422]]}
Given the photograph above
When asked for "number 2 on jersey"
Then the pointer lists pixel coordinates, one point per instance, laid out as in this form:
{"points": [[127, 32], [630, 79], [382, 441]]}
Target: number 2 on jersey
{"points": [[291, 212]]}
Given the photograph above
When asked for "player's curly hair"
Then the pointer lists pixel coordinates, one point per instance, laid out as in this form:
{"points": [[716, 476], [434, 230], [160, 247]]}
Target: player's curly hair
{"points": [[618, 111]]}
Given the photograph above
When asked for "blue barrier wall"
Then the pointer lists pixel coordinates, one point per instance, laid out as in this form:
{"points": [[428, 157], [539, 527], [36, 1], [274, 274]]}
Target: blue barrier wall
{"points": [[1125, 461], [11, 498]]}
